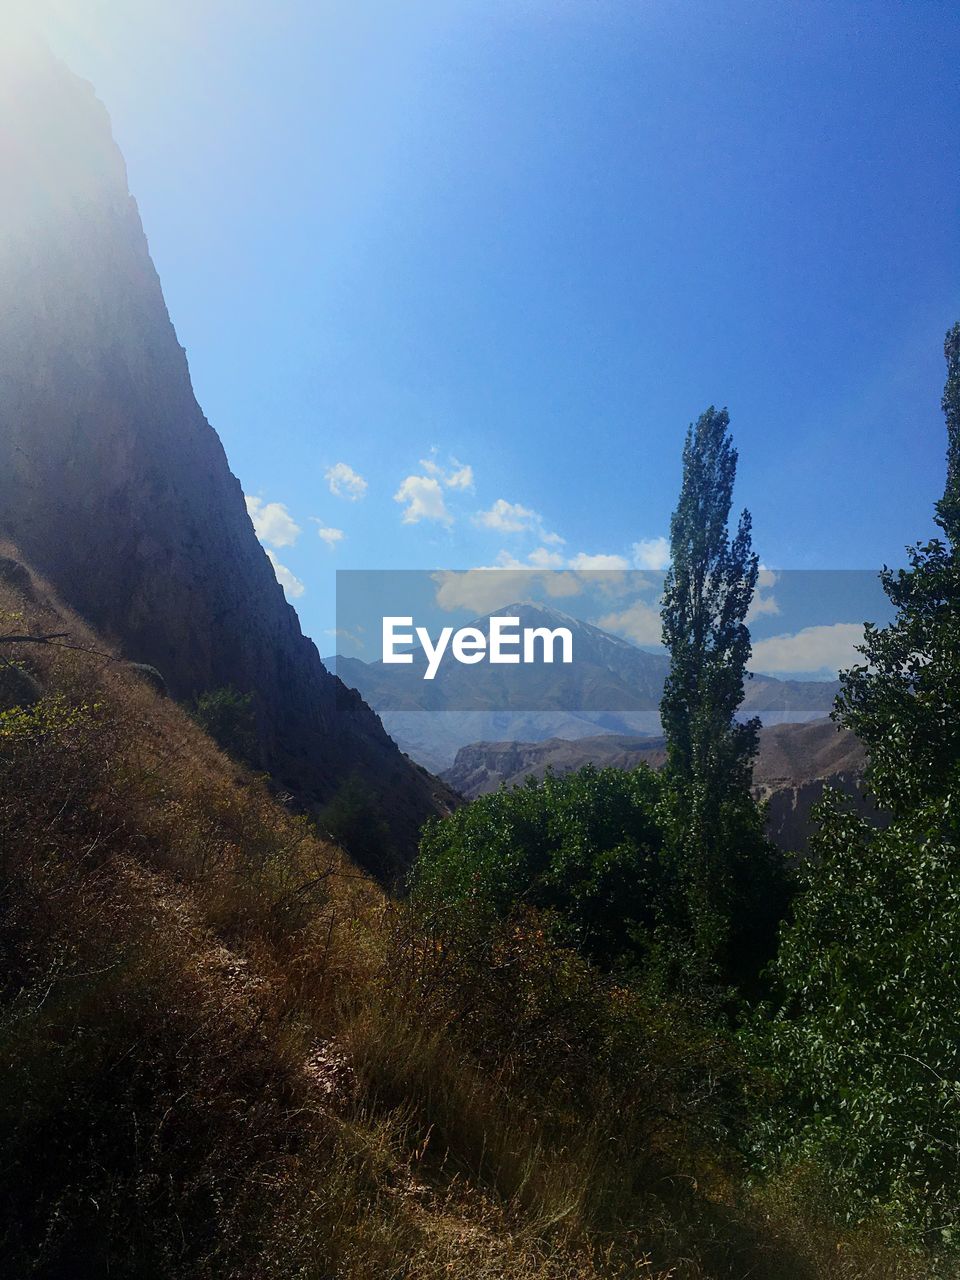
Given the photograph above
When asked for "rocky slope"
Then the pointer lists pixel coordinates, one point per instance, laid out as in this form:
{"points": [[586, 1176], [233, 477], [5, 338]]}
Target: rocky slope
{"points": [[796, 762], [482, 767], [114, 485]]}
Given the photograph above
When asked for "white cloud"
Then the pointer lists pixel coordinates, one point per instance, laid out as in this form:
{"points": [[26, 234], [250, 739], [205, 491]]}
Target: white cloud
{"points": [[584, 561], [622, 583], [493, 586], [561, 584], [272, 522], [762, 604], [424, 500], [456, 476], [507, 517], [651, 553], [330, 535], [461, 478], [292, 585], [539, 558], [544, 558], [344, 482], [512, 517], [482, 590], [354, 635], [639, 622], [823, 648]]}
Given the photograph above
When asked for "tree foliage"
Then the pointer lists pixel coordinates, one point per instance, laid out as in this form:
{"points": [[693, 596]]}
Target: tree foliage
{"points": [[354, 819], [728, 893], [867, 1037], [707, 593], [904, 700], [584, 847], [230, 719]]}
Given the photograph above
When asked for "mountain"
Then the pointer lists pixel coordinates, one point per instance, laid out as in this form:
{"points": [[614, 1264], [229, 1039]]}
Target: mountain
{"points": [[611, 686], [115, 487], [483, 767], [795, 764], [789, 754]]}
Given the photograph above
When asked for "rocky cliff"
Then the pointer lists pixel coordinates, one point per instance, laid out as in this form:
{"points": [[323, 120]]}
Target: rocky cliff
{"points": [[114, 485]]}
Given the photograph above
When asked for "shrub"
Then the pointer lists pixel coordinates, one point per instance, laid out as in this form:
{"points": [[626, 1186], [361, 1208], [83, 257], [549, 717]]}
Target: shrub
{"points": [[230, 719], [583, 847], [354, 819]]}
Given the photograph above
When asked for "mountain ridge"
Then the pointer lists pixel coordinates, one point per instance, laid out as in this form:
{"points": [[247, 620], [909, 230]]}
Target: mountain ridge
{"points": [[114, 485], [612, 686]]}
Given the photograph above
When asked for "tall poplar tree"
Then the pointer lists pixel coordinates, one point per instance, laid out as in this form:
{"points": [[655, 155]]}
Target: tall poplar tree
{"points": [[719, 854]]}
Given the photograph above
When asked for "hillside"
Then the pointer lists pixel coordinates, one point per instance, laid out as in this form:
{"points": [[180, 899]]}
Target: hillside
{"points": [[612, 686], [112, 482], [232, 1057]]}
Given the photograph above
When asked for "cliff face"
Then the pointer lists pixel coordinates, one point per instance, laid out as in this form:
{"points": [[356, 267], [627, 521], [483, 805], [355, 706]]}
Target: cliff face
{"points": [[112, 482]]}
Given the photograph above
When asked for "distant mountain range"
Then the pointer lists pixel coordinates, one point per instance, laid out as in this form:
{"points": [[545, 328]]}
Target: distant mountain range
{"points": [[611, 687], [795, 764]]}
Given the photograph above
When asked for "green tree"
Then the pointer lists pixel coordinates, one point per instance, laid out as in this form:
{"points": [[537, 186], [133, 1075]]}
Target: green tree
{"points": [[904, 700], [866, 1040], [723, 865], [584, 847]]}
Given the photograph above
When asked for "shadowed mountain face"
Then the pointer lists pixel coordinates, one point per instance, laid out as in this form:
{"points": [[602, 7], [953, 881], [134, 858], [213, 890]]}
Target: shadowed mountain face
{"points": [[114, 485], [611, 687]]}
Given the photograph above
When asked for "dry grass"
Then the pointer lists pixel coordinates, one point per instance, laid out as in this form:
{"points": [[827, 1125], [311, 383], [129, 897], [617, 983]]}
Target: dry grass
{"points": [[227, 1054]]}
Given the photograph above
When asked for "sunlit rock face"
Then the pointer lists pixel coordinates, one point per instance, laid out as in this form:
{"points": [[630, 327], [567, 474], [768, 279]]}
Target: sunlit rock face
{"points": [[112, 482]]}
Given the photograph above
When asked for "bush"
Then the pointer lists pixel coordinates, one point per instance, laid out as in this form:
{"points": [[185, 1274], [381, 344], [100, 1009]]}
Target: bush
{"points": [[866, 1045], [230, 720], [354, 819], [584, 847]]}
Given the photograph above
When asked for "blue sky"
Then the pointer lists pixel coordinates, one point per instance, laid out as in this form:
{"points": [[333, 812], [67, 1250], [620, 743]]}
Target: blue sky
{"points": [[492, 257]]}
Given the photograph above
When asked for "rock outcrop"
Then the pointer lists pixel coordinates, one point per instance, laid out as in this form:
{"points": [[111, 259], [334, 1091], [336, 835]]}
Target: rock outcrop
{"points": [[112, 483]]}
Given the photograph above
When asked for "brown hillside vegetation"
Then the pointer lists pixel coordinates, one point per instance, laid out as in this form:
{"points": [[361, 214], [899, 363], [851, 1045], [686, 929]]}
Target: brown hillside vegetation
{"points": [[226, 1053]]}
